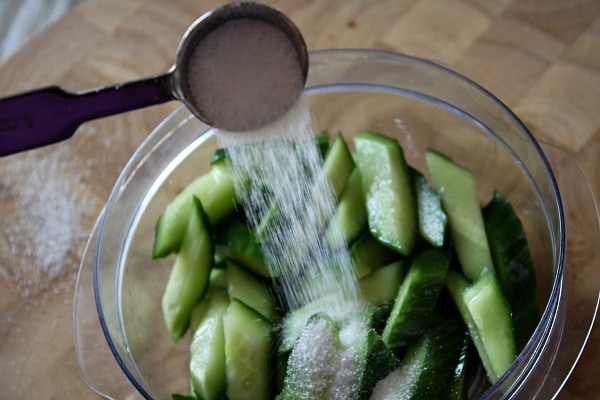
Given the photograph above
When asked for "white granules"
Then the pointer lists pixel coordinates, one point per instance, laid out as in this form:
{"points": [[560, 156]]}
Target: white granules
{"points": [[243, 74], [41, 221], [282, 164]]}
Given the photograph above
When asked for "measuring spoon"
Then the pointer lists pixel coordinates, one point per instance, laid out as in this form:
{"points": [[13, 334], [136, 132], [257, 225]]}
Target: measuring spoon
{"points": [[50, 114]]}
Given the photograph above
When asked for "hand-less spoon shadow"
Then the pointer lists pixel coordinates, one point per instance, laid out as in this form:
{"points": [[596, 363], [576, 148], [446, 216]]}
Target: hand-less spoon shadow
{"points": [[238, 67]]}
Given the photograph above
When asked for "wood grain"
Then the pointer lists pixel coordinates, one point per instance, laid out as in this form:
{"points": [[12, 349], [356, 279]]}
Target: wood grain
{"points": [[540, 57]]}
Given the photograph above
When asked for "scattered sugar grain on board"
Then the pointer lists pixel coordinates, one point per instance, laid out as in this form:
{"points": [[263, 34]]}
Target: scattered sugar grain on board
{"points": [[45, 224]]}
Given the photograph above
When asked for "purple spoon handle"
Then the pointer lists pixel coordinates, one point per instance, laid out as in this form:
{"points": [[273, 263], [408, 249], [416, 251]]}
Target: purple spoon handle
{"points": [[49, 115]]}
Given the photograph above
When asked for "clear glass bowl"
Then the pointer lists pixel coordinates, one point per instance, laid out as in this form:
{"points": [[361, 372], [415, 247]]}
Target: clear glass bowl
{"points": [[420, 103]]}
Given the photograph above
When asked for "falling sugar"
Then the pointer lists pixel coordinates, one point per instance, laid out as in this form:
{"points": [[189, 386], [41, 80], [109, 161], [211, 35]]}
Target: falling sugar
{"points": [[244, 74], [278, 173]]}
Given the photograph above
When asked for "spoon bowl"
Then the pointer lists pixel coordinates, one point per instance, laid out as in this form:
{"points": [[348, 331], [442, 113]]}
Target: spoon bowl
{"points": [[49, 115]]}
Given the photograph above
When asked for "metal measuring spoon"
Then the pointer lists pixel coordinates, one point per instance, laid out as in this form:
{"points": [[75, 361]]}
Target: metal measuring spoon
{"points": [[50, 114]]}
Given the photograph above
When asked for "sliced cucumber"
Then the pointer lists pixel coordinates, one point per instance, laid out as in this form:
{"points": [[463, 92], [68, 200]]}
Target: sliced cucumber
{"points": [[294, 322], [461, 203], [248, 288], [235, 240], [249, 362], [216, 282], [427, 367], [416, 298], [350, 215], [486, 314], [189, 277], [207, 362], [457, 388], [322, 140], [216, 192], [368, 254], [310, 372], [381, 286], [338, 165], [374, 362], [388, 192], [514, 265], [492, 318], [431, 217]]}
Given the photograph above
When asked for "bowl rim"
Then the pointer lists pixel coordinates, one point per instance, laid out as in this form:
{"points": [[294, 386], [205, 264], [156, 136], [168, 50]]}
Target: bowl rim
{"points": [[152, 140]]}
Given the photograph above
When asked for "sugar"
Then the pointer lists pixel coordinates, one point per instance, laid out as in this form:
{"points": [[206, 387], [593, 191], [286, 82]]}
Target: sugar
{"points": [[395, 386], [243, 74], [283, 161], [41, 220]]}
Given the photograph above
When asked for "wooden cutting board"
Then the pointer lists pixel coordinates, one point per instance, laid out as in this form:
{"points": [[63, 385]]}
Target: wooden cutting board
{"points": [[541, 57]]}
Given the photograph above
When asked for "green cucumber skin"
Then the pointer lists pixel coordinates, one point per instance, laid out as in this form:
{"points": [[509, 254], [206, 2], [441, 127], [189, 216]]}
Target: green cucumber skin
{"points": [[388, 191], [486, 313], [190, 274], [514, 265], [457, 388], [235, 240], [216, 192], [416, 298], [460, 201], [249, 357], [428, 365], [375, 363], [492, 317]]}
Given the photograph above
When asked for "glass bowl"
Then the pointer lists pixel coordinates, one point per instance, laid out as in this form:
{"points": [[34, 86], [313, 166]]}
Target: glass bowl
{"points": [[423, 105]]}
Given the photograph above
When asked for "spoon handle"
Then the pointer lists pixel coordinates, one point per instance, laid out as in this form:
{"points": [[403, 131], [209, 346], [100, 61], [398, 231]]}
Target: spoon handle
{"points": [[49, 115]]}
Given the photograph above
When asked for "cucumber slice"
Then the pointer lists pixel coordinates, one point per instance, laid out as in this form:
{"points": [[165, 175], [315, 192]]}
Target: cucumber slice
{"points": [[457, 389], [207, 362], [486, 314], [249, 362], [416, 298], [294, 322], [350, 215], [338, 165], [432, 219], [381, 286], [322, 140], [189, 277], [427, 367], [216, 192], [216, 282], [310, 371], [374, 362], [235, 240], [514, 265], [248, 288], [177, 396], [388, 192], [459, 199], [368, 254], [492, 318]]}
